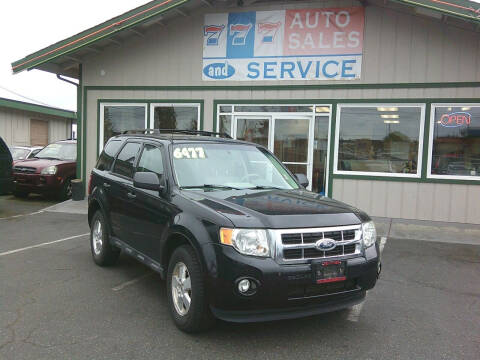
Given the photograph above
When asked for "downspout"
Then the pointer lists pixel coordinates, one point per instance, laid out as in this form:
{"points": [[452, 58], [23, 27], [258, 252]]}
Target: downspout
{"points": [[79, 118], [60, 77]]}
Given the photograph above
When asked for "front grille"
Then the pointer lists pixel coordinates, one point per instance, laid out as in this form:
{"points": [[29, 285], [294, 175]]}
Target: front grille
{"points": [[299, 245], [24, 169]]}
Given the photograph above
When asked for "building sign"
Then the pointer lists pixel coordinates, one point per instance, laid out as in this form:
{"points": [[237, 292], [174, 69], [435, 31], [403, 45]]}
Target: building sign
{"points": [[455, 119], [306, 44]]}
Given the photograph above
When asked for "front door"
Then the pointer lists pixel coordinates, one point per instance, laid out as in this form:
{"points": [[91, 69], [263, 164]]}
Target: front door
{"points": [[299, 140], [292, 143]]}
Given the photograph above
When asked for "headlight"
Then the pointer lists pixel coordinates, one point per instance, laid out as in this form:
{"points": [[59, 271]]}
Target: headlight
{"points": [[369, 234], [49, 170], [247, 241]]}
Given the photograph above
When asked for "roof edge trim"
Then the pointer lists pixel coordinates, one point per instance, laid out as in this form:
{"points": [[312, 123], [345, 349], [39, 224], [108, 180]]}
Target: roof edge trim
{"points": [[48, 110]]}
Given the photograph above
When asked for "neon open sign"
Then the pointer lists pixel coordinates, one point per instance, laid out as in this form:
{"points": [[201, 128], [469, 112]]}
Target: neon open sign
{"points": [[455, 119]]}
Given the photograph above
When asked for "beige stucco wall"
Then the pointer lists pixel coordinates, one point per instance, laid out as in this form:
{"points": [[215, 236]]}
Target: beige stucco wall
{"points": [[15, 126], [410, 200], [398, 47]]}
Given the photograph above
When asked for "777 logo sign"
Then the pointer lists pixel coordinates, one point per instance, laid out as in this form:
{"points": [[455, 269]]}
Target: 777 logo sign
{"points": [[239, 33], [213, 33], [269, 31]]}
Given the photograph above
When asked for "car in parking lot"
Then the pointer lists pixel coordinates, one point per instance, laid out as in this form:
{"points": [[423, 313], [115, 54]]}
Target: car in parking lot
{"points": [[49, 172], [234, 233], [24, 152], [6, 163]]}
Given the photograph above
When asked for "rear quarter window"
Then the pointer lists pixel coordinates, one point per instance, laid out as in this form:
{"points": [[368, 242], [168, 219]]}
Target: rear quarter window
{"points": [[106, 157]]}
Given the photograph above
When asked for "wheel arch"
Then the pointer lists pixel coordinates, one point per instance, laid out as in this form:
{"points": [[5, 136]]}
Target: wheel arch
{"points": [[177, 237]]}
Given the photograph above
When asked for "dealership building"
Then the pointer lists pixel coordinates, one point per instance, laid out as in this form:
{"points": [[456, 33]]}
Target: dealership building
{"points": [[376, 101]]}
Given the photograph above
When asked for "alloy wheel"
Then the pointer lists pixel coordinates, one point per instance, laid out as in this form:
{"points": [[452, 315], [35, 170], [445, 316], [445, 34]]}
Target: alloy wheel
{"points": [[181, 288]]}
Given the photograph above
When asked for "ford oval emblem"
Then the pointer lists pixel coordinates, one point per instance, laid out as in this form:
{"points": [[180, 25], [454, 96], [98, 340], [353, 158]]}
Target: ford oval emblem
{"points": [[325, 244], [219, 71]]}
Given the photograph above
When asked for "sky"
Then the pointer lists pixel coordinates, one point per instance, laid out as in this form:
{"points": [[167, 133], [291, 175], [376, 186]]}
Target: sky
{"points": [[30, 25]]}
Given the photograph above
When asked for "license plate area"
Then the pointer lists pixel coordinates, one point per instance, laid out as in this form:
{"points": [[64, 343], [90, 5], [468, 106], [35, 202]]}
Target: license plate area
{"points": [[328, 271]]}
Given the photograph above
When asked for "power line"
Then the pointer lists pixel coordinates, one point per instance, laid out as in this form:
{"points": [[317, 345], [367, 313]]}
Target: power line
{"points": [[25, 97]]}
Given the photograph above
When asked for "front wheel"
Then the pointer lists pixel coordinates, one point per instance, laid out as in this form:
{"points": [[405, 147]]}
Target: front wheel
{"points": [[66, 192], [186, 292]]}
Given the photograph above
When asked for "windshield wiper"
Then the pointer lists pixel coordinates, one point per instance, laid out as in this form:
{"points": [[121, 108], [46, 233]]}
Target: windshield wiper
{"points": [[210, 186], [264, 187]]}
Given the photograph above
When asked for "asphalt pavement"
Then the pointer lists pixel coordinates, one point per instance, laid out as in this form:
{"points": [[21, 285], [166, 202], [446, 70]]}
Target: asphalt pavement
{"points": [[56, 304]]}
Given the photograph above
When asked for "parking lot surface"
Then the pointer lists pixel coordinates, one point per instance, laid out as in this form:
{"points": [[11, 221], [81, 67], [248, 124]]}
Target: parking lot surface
{"points": [[12, 206], [56, 304]]}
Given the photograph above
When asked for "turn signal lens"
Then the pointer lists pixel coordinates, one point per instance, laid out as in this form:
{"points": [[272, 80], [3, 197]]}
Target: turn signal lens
{"points": [[226, 236]]}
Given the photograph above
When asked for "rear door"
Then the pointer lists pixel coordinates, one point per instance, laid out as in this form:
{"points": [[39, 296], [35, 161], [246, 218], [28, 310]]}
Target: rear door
{"points": [[121, 192]]}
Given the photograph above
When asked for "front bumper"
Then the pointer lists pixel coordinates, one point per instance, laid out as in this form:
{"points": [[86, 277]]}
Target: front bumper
{"points": [[36, 183], [284, 291]]}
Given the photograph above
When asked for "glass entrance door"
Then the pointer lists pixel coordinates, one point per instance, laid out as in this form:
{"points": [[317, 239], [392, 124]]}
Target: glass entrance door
{"points": [[300, 140], [253, 129], [292, 143]]}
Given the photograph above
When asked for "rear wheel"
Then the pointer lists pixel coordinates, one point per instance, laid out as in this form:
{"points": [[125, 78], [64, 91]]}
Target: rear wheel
{"points": [[103, 253], [20, 194], [186, 292]]}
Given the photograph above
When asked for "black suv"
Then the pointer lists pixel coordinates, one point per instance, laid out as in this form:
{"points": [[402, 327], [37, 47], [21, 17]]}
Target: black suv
{"points": [[234, 233]]}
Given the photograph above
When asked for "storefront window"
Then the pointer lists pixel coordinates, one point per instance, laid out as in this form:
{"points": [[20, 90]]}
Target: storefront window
{"points": [[176, 117], [119, 118], [383, 139], [455, 148]]}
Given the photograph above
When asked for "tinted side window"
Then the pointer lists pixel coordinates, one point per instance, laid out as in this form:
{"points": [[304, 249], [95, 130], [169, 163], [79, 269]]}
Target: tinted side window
{"points": [[125, 159], [151, 160], [106, 158]]}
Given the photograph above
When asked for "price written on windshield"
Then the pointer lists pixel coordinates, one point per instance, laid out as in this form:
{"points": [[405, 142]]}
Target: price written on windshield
{"points": [[189, 153]]}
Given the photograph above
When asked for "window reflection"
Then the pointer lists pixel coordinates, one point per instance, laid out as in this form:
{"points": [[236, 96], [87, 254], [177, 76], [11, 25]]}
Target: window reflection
{"points": [[176, 117], [379, 139], [117, 119]]}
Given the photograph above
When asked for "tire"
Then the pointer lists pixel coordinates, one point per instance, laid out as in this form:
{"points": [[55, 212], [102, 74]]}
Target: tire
{"points": [[103, 253], [66, 192], [20, 194], [197, 317]]}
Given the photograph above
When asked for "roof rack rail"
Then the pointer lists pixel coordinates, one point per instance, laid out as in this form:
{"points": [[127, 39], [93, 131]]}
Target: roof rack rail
{"points": [[177, 131]]}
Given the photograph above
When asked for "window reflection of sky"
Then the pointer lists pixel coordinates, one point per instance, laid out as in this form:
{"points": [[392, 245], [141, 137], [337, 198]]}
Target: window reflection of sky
{"points": [[367, 123]]}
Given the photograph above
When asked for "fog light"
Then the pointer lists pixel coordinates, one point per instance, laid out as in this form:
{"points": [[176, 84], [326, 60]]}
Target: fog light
{"points": [[244, 286]]}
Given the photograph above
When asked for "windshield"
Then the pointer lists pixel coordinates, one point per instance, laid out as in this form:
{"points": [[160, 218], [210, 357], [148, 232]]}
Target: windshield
{"points": [[59, 151], [19, 153], [227, 166]]}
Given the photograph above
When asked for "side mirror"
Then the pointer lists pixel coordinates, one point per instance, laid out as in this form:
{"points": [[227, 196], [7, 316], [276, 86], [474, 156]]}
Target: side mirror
{"points": [[147, 181], [302, 179]]}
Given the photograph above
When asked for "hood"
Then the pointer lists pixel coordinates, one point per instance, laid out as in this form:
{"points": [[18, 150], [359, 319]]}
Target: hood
{"points": [[39, 164], [277, 208]]}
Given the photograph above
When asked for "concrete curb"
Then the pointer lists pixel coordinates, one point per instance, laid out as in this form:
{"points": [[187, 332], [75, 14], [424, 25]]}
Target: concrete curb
{"points": [[428, 230], [70, 207]]}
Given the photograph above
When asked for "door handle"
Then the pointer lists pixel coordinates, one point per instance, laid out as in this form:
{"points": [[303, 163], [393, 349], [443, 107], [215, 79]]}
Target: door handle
{"points": [[131, 195], [106, 185]]}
